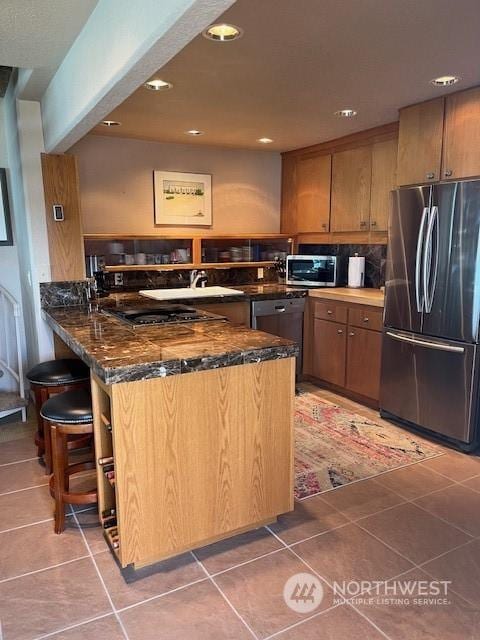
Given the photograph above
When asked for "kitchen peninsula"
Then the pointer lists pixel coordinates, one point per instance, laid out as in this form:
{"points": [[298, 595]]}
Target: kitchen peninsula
{"points": [[198, 418]]}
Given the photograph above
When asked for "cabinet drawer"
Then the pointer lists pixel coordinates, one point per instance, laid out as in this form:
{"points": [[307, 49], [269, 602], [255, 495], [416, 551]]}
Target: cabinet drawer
{"points": [[330, 311], [365, 318]]}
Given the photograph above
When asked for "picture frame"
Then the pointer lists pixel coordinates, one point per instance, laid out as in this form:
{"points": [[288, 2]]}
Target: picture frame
{"points": [[182, 198], [6, 237]]}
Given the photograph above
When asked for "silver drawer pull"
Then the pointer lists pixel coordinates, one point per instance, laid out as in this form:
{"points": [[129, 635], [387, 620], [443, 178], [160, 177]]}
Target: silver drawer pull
{"points": [[365, 319], [340, 331], [329, 311], [351, 334]]}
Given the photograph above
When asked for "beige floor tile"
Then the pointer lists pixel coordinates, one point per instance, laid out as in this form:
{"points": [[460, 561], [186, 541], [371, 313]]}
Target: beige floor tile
{"points": [[197, 612], [15, 450], [25, 507], [349, 553], [473, 483], [104, 629], [360, 499], [150, 581], [49, 600], [38, 547], [311, 516], [22, 475], [456, 504], [246, 546], [462, 567], [456, 466], [413, 481], [455, 621], [341, 623], [256, 591], [92, 529], [414, 532]]}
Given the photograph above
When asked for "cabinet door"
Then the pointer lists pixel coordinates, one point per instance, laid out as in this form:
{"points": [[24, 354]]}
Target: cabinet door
{"points": [[363, 362], [461, 144], [329, 349], [384, 169], [351, 178], [420, 142], [313, 194], [288, 217]]}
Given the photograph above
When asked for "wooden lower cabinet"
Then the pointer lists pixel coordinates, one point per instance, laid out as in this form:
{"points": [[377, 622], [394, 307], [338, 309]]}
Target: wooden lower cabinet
{"points": [[345, 354], [363, 362], [197, 457], [329, 346]]}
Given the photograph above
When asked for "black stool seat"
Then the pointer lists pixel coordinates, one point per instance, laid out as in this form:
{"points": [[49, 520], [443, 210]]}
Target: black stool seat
{"points": [[59, 372], [70, 407]]}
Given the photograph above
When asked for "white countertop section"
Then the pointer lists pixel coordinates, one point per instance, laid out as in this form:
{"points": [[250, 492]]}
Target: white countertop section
{"points": [[372, 297]]}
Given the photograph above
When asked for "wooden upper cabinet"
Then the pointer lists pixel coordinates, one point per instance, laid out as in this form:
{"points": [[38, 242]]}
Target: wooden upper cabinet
{"points": [[384, 169], [288, 218], [351, 178], [313, 194], [420, 142], [461, 143]]}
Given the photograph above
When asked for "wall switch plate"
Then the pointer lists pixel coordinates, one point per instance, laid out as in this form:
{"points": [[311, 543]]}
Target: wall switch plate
{"points": [[58, 214], [118, 279], [260, 273]]}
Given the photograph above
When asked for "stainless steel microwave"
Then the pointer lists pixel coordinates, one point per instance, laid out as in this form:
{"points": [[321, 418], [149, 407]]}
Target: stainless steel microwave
{"points": [[312, 271]]}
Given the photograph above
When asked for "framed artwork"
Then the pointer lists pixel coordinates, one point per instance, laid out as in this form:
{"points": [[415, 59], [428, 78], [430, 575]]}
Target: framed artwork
{"points": [[6, 237], [182, 199]]}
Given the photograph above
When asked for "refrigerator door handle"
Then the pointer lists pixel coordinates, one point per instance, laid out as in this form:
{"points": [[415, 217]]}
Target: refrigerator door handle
{"points": [[419, 296], [425, 343], [430, 260]]}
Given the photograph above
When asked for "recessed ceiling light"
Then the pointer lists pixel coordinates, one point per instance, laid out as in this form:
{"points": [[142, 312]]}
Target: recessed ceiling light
{"points": [[222, 32], [157, 85], [345, 113], [265, 140], [444, 81], [194, 132], [110, 123]]}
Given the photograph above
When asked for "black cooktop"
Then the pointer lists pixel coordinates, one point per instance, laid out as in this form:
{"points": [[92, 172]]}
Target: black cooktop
{"points": [[162, 314]]}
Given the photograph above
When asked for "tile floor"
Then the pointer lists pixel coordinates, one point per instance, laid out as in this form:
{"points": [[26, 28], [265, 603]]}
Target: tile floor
{"points": [[417, 523]]}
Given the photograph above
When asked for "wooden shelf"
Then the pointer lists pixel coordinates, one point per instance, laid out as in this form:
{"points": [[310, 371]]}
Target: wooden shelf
{"points": [[180, 236], [172, 267]]}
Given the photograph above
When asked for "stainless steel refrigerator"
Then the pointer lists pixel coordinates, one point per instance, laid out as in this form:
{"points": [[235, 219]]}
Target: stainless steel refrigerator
{"points": [[430, 367]]}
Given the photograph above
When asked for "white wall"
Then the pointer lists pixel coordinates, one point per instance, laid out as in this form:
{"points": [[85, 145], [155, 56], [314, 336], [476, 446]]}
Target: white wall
{"points": [[24, 143], [116, 185], [9, 268]]}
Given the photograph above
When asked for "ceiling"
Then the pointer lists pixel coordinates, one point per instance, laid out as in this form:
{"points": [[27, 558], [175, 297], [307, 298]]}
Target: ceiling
{"points": [[298, 62], [36, 34]]}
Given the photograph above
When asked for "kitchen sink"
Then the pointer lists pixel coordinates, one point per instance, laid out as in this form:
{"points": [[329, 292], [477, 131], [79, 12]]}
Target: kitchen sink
{"points": [[184, 293]]}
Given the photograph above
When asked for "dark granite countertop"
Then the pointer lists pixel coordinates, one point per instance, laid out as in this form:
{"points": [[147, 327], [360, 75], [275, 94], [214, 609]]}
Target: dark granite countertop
{"points": [[251, 292], [117, 352]]}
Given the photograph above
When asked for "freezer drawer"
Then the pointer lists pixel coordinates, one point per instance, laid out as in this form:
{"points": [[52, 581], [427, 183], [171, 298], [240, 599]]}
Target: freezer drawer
{"points": [[430, 383]]}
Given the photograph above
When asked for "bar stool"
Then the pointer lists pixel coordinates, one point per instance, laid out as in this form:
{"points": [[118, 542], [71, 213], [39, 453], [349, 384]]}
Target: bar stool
{"points": [[47, 379], [68, 414]]}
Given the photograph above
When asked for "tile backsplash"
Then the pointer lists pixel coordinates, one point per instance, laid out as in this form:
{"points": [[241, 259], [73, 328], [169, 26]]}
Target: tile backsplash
{"points": [[135, 280], [375, 259]]}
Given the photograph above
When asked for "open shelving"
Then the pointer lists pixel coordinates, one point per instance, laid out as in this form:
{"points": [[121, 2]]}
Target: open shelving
{"points": [[164, 253]]}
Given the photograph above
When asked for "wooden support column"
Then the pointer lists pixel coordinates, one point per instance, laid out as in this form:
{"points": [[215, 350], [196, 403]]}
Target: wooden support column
{"points": [[65, 241]]}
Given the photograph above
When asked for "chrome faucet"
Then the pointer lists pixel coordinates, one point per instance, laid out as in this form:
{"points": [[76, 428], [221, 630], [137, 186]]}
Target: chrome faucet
{"points": [[197, 276]]}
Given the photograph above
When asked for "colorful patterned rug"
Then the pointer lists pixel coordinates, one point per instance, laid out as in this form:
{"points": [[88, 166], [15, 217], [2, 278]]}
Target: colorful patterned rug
{"points": [[334, 446]]}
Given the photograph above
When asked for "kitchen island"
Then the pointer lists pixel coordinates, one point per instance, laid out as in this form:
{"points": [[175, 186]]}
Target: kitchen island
{"points": [[198, 418]]}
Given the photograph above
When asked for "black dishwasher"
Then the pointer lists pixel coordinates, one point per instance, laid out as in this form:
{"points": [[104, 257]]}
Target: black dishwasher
{"points": [[282, 318]]}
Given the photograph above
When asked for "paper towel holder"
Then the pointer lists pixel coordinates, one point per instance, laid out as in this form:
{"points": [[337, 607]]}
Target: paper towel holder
{"points": [[356, 271]]}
